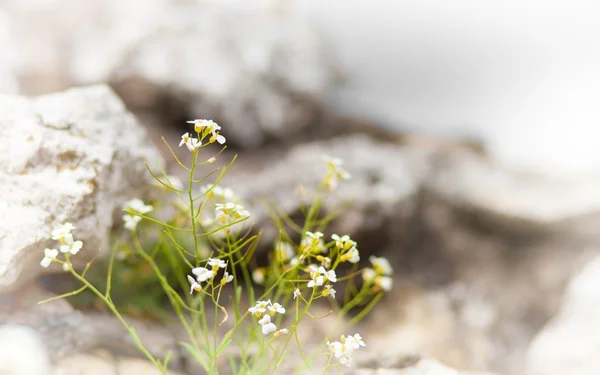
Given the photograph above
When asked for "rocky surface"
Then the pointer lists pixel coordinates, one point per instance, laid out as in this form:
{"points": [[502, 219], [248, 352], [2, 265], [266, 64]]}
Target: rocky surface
{"points": [[569, 343], [421, 367], [73, 156], [258, 67]]}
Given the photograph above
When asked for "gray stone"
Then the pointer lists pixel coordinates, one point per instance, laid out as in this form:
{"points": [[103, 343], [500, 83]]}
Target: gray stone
{"points": [[258, 67], [569, 343], [73, 156]]}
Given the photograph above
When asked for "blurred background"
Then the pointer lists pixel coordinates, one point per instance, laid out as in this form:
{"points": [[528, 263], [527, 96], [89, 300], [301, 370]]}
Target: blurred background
{"points": [[472, 129]]}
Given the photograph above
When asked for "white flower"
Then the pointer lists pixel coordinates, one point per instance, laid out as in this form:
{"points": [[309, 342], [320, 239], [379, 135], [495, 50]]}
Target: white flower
{"points": [[325, 261], [63, 233], [230, 212], [369, 275], [312, 241], [297, 293], [189, 142], [384, 282], [351, 256], [227, 278], [355, 341], [315, 236], [316, 281], [329, 275], [194, 285], [283, 331], [284, 251], [131, 222], [276, 308], [258, 275], [203, 274], [72, 248], [267, 326], [381, 265], [49, 256], [136, 206], [223, 194], [328, 291], [335, 173], [343, 243], [260, 307], [216, 263], [208, 126], [66, 266], [343, 349]]}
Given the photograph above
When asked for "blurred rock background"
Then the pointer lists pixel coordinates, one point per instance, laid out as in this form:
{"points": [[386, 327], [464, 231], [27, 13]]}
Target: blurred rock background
{"points": [[470, 130]]}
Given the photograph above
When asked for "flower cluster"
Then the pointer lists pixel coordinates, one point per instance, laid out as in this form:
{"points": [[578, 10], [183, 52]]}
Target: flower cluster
{"points": [[259, 310], [319, 276], [206, 274], [136, 207], [335, 172], [229, 212], [206, 127], [203, 129], [63, 235], [312, 243], [380, 274], [347, 248], [342, 350]]}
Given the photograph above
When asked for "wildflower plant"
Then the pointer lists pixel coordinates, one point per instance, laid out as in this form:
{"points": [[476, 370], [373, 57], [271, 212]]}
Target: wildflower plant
{"points": [[210, 275]]}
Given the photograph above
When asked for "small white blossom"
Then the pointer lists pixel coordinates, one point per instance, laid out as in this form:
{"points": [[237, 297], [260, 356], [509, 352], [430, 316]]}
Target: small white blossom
{"points": [[208, 126], [343, 349], [328, 291], [136, 206], [313, 241], [72, 248], [329, 275], [316, 281], [381, 265], [297, 293], [49, 256], [227, 278], [216, 263], [63, 233], [131, 222], [194, 285], [203, 274], [284, 251], [369, 275], [66, 266], [260, 307], [267, 326], [355, 341], [189, 142], [258, 275], [283, 331], [335, 172], [343, 243], [351, 256], [230, 212], [384, 282], [276, 308], [212, 191]]}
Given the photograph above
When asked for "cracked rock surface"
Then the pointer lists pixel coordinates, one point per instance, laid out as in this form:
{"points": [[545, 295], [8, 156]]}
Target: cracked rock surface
{"points": [[71, 156]]}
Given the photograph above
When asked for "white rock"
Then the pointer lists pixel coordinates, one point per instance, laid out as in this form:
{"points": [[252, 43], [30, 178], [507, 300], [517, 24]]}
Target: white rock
{"points": [[253, 66], [22, 352], [570, 342], [71, 156]]}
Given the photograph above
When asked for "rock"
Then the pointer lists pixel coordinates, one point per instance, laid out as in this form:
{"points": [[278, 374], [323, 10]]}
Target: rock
{"points": [[258, 67], [22, 352], [569, 343], [73, 156], [101, 362], [422, 367]]}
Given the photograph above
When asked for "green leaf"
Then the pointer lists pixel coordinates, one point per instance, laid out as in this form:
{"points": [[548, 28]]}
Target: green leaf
{"points": [[194, 352]]}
